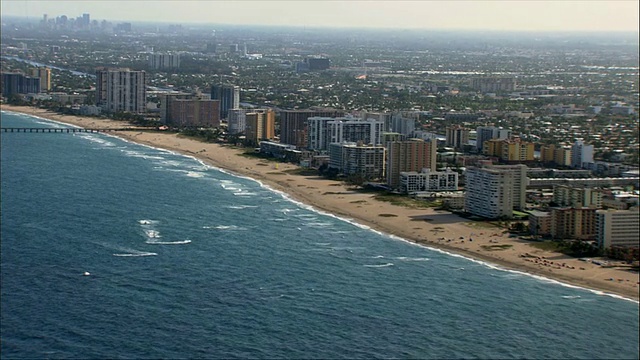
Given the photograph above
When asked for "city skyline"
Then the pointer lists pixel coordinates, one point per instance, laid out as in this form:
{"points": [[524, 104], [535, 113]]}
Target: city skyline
{"points": [[435, 15]]}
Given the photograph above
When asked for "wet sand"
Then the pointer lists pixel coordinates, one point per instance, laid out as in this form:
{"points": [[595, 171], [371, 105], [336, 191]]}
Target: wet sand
{"points": [[437, 229]]}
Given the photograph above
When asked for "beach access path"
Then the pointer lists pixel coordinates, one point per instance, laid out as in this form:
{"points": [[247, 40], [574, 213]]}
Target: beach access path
{"points": [[428, 227]]}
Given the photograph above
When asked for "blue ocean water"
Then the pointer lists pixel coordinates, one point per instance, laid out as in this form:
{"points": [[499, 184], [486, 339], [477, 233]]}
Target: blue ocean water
{"points": [[188, 261]]}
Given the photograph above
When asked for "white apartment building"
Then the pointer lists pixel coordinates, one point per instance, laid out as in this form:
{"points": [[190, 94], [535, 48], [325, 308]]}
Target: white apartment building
{"points": [[402, 125], [427, 180], [120, 90], [382, 116], [581, 155], [520, 183], [323, 131], [617, 228], [237, 121], [358, 159], [489, 192], [164, 61]]}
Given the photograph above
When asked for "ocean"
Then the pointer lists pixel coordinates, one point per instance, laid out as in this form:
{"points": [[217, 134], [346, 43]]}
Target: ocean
{"points": [[189, 261]]}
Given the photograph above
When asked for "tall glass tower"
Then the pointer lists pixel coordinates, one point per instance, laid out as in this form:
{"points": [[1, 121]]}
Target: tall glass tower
{"points": [[229, 96]]}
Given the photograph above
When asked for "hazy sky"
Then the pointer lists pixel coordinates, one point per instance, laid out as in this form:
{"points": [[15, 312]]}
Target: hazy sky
{"points": [[536, 15]]}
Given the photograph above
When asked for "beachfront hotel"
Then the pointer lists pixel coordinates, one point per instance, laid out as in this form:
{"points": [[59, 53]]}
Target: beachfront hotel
{"points": [[489, 192], [18, 83], [189, 110], [237, 121], [358, 159], [573, 223], [323, 131], [415, 182], [406, 156], [293, 124], [121, 90], [260, 125], [617, 228]]}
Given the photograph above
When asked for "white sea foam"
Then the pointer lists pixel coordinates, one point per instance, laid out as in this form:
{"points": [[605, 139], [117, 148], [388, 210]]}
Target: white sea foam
{"points": [[318, 224], [403, 258], [96, 139], [224, 227], [182, 242], [242, 193], [147, 222], [379, 266], [195, 174], [240, 207], [173, 163], [152, 234], [571, 296], [230, 186], [377, 257], [137, 254]]}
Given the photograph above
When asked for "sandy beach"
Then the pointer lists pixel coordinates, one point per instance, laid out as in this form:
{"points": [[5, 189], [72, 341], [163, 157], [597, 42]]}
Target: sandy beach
{"points": [[437, 229]]}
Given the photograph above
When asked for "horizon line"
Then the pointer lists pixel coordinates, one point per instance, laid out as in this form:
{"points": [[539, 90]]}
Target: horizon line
{"points": [[319, 26]]}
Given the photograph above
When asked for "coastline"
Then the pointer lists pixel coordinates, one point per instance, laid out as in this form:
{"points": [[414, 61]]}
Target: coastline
{"points": [[421, 226]]}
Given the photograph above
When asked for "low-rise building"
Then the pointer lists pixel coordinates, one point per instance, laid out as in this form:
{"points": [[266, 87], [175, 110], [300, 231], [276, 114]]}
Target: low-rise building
{"points": [[275, 149], [573, 223], [427, 180], [540, 223], [509, 150]]}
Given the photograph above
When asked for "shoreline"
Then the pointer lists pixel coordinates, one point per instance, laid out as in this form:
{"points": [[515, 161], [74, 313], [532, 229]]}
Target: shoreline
{"points": [[438, 230]]}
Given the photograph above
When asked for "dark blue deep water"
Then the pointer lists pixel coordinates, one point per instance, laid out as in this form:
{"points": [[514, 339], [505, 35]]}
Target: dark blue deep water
{"points": [[187, 261]]}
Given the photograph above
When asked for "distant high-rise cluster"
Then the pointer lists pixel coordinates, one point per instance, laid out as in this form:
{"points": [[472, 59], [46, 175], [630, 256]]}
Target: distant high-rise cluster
{"points": [[82, 22]]}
